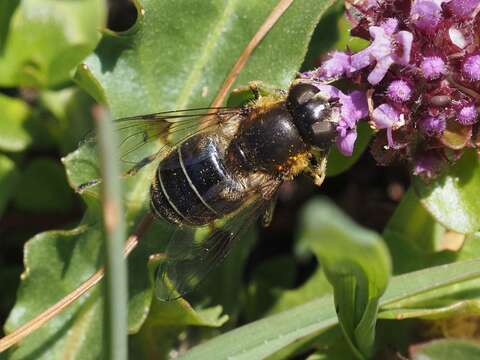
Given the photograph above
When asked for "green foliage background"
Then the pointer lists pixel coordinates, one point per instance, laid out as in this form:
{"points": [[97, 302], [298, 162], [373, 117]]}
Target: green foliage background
{"points": [[57, 58]]}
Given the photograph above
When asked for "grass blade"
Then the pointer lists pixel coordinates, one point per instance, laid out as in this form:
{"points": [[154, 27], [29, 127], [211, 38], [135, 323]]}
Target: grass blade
{"points": [[114, 231]]}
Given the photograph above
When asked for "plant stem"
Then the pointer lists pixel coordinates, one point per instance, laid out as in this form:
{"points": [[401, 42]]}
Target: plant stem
{"points": [[116, 309]]}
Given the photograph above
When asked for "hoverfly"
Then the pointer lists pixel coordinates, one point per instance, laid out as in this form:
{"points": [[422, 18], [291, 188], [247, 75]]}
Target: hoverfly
{"points": [[219, 170]]}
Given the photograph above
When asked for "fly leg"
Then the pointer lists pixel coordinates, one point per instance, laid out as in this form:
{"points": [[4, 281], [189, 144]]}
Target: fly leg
{"points": [[260, 89], [318, 168], [253, 92]]}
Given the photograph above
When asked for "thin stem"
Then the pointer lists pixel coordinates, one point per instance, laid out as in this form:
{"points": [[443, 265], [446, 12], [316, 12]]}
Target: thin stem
{"points": [[115, 305]]}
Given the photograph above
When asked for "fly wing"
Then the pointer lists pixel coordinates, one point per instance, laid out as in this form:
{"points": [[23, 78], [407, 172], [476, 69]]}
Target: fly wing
{"points": [[193, 252], [147, 138]]}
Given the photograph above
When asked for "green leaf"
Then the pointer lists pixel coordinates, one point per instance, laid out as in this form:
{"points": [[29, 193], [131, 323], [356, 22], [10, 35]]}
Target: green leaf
{"points": [[271, 334], [43, 188], [446, 349], [452, 199], [357, 264], [264, 337], [46, 39], [14, 124], [180, 61], [8, 181], [177, 51]]}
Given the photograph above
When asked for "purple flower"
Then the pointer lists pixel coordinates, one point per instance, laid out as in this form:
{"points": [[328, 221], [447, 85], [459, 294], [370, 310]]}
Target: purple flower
{"points": [[433, 67], [420, 71], [433, 125], [471, 68], [347, 135], [399, 91], [467, 115], [463, 8], [384, 50], [337, 65], [427, 164], [426, 14], [386, 117], [353, 107]]}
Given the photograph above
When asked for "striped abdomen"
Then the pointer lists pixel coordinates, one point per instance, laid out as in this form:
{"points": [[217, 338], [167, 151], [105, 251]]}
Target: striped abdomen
{"points": [[192, 185]]}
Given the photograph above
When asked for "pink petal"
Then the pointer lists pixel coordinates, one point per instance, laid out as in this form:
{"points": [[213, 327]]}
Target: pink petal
{"points": [[361, 59], [378, 73], [385, 116], [346, 144]]}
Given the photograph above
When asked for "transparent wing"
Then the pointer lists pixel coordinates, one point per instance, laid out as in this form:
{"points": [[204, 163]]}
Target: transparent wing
{"points": [[193, 252], [145, 138]]}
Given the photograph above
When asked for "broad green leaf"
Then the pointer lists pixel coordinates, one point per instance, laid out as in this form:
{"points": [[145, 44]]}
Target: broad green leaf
{"points": [[43, 188], [53, 260], [357, 264], [267, 336], [47, 39], [330, 343], [14, 124], [264, 337], [446, 349], [177, 51], [181, 51], [452, 199], [8, 181]]}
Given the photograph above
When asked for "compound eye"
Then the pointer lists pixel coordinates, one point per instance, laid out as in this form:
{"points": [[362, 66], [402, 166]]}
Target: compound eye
{"points": [[300, 94], [315, 123], [323, 134]]}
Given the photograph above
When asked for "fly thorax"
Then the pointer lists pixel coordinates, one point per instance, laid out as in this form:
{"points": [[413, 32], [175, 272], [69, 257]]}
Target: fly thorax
{"points": [[267, 141]]}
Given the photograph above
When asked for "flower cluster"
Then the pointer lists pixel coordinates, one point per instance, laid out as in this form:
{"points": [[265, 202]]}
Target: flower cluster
{"points": [[420, 77]]}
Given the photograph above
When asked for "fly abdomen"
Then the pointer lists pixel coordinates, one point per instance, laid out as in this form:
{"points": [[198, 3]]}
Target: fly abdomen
{"points": [[192, 185]]}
